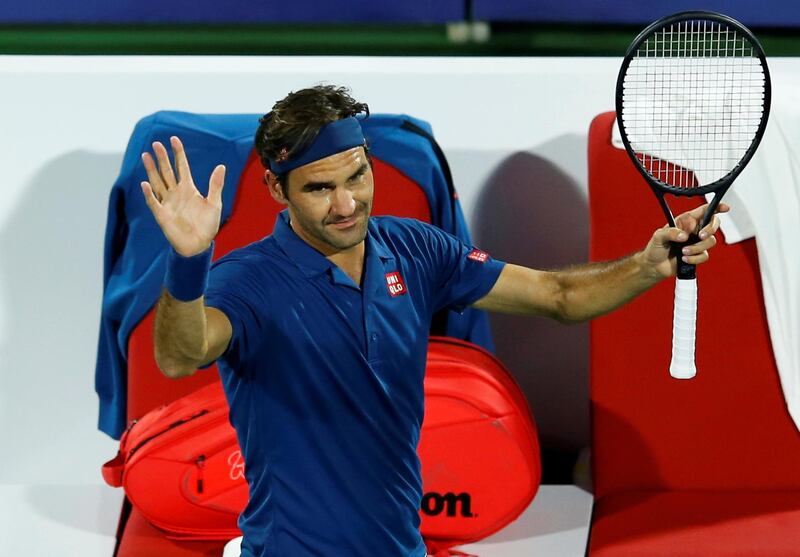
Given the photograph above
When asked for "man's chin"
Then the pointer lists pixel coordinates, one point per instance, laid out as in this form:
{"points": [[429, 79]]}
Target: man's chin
{"points": [[347, 238]]}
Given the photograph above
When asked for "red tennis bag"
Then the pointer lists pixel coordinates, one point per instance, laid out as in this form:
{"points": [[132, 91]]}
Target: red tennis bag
{"points": [[181, 466]]}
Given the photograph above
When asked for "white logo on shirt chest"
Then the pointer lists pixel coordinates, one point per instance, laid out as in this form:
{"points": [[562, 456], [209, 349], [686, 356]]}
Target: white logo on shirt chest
{"points": [[395, 284]]}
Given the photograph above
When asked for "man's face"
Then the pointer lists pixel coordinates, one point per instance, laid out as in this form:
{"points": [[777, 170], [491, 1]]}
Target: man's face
{"points": [[330, 200]]}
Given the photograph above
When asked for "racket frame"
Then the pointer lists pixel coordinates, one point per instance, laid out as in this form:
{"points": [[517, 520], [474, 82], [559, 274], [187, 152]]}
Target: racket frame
{"points": [[720, 186]]}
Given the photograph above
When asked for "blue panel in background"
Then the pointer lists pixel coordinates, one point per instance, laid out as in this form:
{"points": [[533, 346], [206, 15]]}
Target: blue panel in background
{"points": [[765, 13], [231, 11]]}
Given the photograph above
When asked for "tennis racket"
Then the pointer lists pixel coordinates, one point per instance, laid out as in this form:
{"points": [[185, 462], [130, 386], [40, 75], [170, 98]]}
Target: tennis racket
{"points": [[693, 97]]}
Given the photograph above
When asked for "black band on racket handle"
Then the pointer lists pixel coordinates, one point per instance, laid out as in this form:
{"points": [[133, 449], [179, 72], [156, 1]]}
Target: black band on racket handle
{"points": [[686, 270]]}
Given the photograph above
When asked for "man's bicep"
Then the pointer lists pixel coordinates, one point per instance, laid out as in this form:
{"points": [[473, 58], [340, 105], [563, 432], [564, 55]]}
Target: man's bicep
{"points": [[218, 332], [522, 291]]}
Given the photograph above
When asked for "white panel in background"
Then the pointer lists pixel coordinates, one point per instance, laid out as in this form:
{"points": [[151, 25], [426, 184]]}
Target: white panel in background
{"points": [[65, 125]]}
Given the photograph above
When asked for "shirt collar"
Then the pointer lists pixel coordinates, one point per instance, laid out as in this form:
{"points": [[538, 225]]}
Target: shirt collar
{"points": [[375, 244], [308, 259]]}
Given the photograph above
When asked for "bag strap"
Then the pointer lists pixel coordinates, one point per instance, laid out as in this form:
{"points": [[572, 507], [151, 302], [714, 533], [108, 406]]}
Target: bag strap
{"points": [[112, 470]]}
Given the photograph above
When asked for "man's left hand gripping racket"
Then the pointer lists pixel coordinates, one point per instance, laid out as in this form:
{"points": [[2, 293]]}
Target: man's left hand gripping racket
{"points": [[693, 97]]}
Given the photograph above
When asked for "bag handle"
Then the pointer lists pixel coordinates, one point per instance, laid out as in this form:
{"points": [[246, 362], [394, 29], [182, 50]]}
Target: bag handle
{"points": [[112, 470]]}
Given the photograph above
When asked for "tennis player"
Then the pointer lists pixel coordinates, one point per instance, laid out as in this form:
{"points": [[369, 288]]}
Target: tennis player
{"points": [[320, 330]]}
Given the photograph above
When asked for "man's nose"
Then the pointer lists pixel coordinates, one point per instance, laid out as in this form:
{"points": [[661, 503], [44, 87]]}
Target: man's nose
{"points": [[343, 203]]}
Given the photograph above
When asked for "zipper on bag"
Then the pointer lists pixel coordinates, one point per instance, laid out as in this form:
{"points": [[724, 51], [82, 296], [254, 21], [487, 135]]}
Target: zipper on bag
{"points": [[171, 426], [201, 464]]}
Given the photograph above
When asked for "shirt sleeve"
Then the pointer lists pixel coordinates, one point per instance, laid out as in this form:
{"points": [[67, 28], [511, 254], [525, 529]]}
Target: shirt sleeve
{"points": [[226, 291], [462, 274]]}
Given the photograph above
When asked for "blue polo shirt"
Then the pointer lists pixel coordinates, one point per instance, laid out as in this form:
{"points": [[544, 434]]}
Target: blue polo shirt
{"points": [[324, 380]]}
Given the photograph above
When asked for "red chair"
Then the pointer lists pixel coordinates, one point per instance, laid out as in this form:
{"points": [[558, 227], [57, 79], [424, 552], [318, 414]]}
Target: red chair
{"points": [[703, 467], [252, 218]]}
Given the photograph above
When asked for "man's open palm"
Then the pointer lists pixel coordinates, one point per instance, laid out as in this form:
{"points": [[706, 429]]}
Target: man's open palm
{"points": [[189, 221]]}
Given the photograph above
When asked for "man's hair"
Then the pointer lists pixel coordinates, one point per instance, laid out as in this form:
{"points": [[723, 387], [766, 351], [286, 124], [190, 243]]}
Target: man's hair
{"points": [[295, 121]]}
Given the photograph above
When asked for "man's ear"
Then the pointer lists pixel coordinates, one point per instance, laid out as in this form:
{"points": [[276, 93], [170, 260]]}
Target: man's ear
{"points": [[276, 189]]}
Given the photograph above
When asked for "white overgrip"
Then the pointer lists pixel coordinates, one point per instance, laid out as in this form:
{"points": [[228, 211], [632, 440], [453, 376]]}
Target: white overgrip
{"points": [[683, 329]]}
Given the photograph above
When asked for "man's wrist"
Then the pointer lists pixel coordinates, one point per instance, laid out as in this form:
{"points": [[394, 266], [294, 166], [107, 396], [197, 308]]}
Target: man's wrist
{"points": [[186, 278], [646, 269]]}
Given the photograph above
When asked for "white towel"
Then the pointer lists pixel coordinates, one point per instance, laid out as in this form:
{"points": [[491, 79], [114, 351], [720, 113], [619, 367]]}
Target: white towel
{"points": [[768, 192], [765, 203]]}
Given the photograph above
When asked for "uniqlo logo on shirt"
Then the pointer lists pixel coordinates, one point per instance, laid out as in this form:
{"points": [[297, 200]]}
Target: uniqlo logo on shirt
{"points": [[395, 284], [478, 255]]}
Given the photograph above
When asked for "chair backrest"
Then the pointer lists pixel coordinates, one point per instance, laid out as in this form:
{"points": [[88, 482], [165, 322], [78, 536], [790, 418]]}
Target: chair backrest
{"points": [[252, 218], [726, 429]]}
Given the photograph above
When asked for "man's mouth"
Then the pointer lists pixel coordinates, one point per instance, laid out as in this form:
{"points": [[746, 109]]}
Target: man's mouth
{"points": [[346, 223]]}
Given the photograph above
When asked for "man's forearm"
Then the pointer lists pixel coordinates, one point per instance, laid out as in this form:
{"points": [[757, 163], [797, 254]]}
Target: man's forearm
{"points": [[180, 335], [579, 293], [590, 290]]}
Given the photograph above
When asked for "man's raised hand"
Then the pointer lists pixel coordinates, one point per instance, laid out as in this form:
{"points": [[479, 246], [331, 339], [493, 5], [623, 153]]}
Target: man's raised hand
{"points": [[660, 253], [189, 221]]}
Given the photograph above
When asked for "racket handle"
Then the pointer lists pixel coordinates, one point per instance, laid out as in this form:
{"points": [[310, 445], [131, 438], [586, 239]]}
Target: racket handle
{"points": [[683, 329]]}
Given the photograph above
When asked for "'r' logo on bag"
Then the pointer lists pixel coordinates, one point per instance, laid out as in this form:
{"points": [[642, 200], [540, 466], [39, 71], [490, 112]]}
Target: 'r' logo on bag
{"points": [[236, 462], [395, 284]]}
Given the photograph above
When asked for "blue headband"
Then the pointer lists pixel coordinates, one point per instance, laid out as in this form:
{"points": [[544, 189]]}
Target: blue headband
{"points": [[333, 138]]}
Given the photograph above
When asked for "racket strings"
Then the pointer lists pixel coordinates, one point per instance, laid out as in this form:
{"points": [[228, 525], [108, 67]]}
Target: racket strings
{"points": [[693, 100]]}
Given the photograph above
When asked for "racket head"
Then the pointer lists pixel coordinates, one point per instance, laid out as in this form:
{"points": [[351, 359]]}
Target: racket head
{"points": [[693, 140]]}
